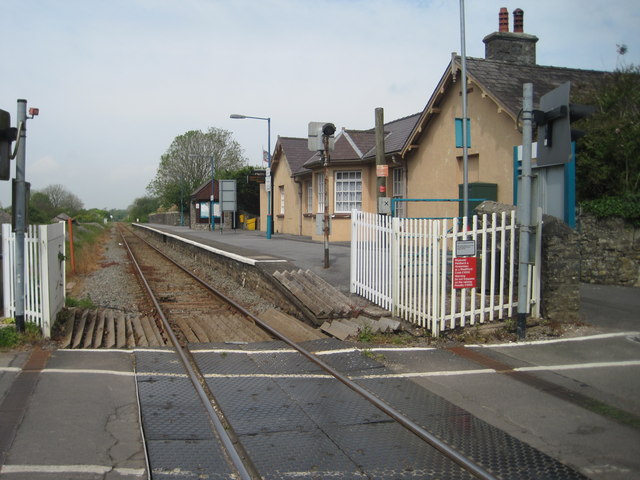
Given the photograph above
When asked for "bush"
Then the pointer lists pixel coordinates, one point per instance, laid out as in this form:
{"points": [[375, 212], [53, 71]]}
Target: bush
{"points": [[625, 207], [9, 336]]}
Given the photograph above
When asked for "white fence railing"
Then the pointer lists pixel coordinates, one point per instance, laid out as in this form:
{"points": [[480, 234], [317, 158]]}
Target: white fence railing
{"points": [[406, 266], [44, 273]]}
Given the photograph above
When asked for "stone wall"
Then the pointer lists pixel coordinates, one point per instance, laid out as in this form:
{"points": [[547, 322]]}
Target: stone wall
{"points": [[602, 251], [610, 251], [560, 273], [560, 270], [167, 218]]}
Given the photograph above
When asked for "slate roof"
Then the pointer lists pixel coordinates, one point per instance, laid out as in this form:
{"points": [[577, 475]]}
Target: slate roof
{"points": [[398, 132], [297, 152], [503, 80], [360, 145], [203, 192], [344, 151]]}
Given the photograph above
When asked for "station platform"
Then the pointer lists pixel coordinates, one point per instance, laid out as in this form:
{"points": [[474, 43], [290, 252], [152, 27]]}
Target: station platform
{"points": [[253, 246]]}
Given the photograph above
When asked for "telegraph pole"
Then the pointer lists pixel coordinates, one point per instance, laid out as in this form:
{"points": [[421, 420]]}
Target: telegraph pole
{"points": [[325, 223], [381, 164], [20, 213]]}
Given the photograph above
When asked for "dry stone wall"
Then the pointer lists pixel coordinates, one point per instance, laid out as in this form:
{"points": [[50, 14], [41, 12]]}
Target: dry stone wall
{"points": [[609, 250]]}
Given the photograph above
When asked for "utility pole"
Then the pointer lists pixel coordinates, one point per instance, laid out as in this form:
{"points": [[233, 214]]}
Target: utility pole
{"points": [[325, 225], [20, 213], [381, 164], [524, 208]]}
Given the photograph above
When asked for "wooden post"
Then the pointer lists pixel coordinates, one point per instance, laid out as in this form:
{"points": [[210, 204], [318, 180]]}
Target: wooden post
{"points": [[72, 255], [381, 171]]}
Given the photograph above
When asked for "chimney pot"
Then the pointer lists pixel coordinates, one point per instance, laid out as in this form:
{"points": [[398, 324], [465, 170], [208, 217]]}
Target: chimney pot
{"points": [[503, 20], [518, 20]]}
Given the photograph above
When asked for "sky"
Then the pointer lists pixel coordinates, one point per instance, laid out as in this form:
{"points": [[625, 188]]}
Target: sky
{"points": [[117, 80]]}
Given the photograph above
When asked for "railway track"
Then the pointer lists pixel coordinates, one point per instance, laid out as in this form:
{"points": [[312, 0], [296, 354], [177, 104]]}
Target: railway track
{"points": [[276, 408], [192, 312], [195, 311]]}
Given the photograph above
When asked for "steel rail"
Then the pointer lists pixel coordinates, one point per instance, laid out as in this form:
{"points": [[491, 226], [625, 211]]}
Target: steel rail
{"points": [[449, 452], [226, 440]]}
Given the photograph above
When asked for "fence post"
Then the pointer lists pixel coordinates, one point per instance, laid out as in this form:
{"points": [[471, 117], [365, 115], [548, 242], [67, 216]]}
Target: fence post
{"points": [[43, 252]]}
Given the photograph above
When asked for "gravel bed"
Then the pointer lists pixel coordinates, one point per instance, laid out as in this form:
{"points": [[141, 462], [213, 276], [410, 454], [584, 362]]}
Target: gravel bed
{"points": [[114, 285], [245, 297]]}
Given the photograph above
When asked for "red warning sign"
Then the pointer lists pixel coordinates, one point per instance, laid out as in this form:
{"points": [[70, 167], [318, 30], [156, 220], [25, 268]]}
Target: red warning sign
{"points": [[464, 272]]}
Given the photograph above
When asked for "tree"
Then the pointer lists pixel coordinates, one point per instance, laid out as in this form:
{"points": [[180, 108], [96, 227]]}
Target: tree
{"points": [[62, 200], [142, 207], [187, 164], [41, 210], [609, 155]]}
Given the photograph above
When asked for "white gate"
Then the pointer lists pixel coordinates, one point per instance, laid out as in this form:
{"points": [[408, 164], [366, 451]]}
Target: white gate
{"points": [[44, 275], [406, 266]]}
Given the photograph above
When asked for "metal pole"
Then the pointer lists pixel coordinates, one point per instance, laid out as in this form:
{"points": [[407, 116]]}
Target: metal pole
{"points": [[524, 208], [212, 198], [20, 214], [327, 158], [465, 134], [269, 193]]}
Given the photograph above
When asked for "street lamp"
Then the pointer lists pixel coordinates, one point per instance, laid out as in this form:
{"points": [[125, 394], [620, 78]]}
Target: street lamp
{"points": [[268, 173]]}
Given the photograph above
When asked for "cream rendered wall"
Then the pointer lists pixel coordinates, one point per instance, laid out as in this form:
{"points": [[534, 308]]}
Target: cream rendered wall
{"points": [[435, 169], [289, 222], [263, 208], [341, 223]]}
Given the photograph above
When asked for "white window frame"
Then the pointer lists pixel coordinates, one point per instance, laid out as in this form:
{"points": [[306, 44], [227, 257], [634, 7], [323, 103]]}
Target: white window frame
{"points": [[347, 183], [310, 196], [320, 190], [282, 200], [399, 191]]}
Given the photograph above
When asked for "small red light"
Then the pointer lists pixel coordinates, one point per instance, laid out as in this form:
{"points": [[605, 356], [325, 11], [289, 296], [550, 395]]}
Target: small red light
{"points": [[34, 111]]}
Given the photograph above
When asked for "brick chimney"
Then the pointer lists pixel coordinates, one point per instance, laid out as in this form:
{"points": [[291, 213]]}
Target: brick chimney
{"points": [[506, 46]]}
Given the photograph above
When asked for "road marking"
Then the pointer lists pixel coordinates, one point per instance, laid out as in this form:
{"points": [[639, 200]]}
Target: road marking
{"points": [[319, 352], [440, 373], [117, 373], [87, 469], [88, 371], [579, 366], [555, 340], [10, 369]]}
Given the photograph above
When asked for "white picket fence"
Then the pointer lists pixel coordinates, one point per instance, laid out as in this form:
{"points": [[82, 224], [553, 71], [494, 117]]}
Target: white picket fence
{"points": [[44, 275], [405, 266]]}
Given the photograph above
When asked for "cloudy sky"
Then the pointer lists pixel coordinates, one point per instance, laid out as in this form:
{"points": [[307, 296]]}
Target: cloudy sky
{"points": [[117, 80]]}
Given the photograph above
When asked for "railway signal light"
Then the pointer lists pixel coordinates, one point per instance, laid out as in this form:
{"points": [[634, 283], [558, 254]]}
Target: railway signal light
{"points": [[7, 137], [554, 121], [317, 132]]}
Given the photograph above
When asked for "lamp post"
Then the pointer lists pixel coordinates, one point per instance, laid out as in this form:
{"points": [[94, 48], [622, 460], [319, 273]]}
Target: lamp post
{"points": [[212, 197], [268, 175]]}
